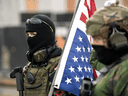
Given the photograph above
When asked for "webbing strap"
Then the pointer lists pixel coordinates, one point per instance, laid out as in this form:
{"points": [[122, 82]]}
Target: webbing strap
{"points": [[49, 65], [46, 69]]}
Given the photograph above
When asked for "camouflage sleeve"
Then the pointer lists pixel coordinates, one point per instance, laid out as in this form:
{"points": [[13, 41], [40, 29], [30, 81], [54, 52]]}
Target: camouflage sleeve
{"points": [[115, 83], [125, 92], [119, 79], [94, 62]]}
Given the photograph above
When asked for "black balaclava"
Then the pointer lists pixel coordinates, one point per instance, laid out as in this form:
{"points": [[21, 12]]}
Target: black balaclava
{"points": [[108, 56], [45, 34]]}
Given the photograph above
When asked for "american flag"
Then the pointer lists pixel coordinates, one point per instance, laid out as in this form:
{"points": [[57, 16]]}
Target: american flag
{"points": [[74, 63]]}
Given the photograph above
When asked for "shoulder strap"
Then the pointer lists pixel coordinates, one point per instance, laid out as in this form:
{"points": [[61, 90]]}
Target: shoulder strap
{"points": [[118, 61], [52, 63]]}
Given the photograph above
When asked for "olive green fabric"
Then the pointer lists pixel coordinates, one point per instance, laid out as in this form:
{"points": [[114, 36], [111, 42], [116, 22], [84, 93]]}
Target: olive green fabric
{"points": [[115, 82], [94, 61], [104, 17], [41, 76]]}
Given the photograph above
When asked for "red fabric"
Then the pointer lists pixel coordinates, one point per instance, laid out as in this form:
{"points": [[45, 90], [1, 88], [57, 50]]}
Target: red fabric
{"points": [[95, 75], [59, 94], [92, 8], [83, 17]]}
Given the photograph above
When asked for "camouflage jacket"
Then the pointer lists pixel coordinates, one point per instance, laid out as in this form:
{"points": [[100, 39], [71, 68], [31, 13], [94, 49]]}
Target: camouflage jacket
{"points": [[114, 83]]}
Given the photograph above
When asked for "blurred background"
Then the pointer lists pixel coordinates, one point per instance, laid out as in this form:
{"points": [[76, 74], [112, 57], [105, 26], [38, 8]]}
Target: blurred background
{"points": [[13, 45]]}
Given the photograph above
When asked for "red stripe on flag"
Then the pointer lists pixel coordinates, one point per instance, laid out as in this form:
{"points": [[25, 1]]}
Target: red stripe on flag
{"points": [[92, 7], [83, 17], [85, 3], [95, 75]]}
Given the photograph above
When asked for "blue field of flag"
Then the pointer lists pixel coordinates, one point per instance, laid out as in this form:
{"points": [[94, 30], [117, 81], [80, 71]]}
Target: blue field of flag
{"points": [[77, 66]]}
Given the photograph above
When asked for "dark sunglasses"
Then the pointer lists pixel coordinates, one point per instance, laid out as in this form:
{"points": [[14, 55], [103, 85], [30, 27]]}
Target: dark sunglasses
{"points": [[37, 21]]}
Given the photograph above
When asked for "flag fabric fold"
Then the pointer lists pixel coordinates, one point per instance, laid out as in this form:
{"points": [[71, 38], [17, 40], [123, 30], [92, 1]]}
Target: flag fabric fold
{"points": [[74, 63]]}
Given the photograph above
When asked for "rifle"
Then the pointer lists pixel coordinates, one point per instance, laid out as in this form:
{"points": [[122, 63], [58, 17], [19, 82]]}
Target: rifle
{"points": [[17, 73]]}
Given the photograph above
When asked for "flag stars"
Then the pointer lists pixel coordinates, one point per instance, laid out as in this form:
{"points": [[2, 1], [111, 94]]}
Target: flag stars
{"points": [[85, 68], [79, 68], [89, 69], [78, 49], [75, 59], [68, 80], [82, 58], [71, 69], [89, 49], [86, 59], [77, 79], [83, 49], [80, 39]]}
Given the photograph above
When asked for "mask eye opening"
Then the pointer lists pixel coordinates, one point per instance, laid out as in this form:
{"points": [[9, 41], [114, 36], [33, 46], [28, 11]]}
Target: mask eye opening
{"points": [[31, 34]]}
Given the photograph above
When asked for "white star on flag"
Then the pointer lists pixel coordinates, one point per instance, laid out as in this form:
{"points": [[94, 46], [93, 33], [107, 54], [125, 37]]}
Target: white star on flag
{"points": [[83, 49], [86, 59], [82, 58], [79, 68], [68, 80], [85, 68], [71, 69], [78, 49], [89, 49], [80, 39], [75, 59], [77, 79], [89, 69]]}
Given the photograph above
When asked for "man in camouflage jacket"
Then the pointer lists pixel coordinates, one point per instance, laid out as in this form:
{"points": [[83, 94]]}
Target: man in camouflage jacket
{"points": [[109, 29]]}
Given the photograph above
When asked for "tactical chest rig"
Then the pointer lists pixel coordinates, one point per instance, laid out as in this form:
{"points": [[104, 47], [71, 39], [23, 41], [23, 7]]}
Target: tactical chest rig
{"points": [[40, 85]]}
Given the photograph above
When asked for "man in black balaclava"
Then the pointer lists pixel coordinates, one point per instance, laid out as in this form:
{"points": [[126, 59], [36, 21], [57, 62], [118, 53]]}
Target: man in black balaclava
{"points": [[45, 32], [45, 29], [43, 55]]}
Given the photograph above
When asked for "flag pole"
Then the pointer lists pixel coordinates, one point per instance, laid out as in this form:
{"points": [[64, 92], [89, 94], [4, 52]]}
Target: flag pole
{"points": [[52, 85]]}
